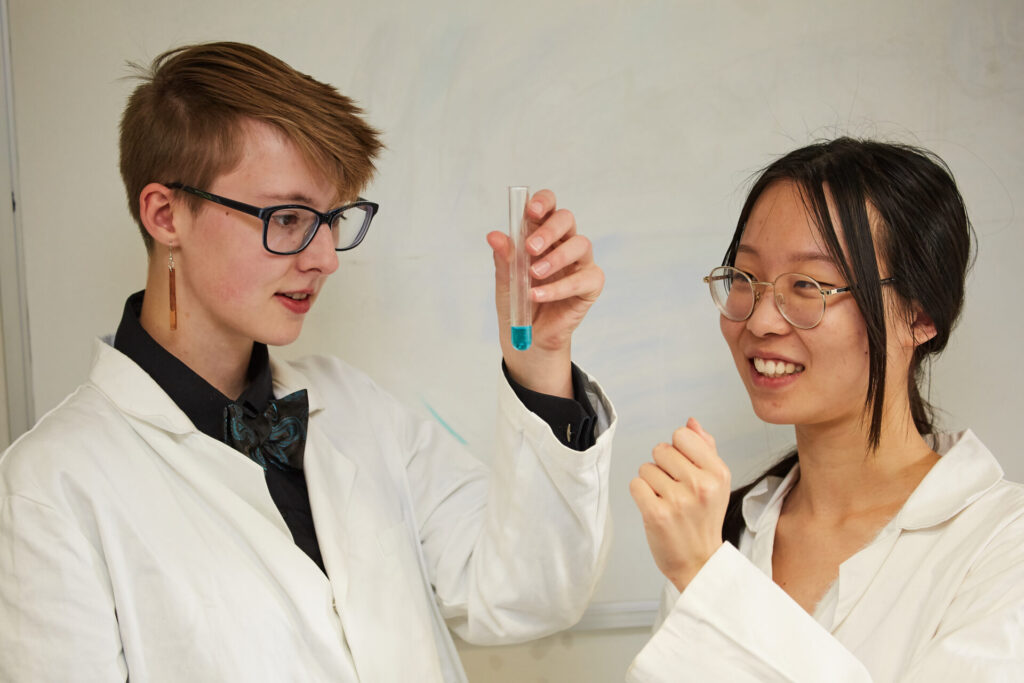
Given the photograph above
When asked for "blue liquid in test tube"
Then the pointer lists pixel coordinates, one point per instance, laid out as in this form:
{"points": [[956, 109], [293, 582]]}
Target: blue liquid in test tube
{"points": [[522, 336], [520, 306]]}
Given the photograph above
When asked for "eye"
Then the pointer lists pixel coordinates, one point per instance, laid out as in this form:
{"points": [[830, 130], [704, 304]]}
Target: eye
{"points": [[291, 220], [737, 278], [804, 283], [285, 218]]}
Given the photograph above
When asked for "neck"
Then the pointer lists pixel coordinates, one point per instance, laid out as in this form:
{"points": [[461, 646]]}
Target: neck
{"points": [[841, 477], [221, 362]]}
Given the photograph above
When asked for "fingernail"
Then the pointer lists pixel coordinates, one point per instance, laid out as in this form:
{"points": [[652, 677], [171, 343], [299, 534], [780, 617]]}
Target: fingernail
{"points": [[539, 293], [541, 268], [536, 207], [536, 243]]}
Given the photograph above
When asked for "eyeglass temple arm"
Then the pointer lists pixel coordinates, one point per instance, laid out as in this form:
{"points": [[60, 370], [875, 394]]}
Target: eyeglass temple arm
{"points": [[840, 290], [223, 201]]}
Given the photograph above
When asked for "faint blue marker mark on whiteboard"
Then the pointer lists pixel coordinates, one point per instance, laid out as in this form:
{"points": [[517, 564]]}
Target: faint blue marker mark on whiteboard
{"points": [[443, 423]]}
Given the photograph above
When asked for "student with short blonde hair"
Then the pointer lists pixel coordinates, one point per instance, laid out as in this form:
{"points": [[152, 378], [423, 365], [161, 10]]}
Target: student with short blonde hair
{"points": [[200, 510]]}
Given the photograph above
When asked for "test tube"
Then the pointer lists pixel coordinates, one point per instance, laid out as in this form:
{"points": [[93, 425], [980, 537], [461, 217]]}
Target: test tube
{"points": [[520, 306]]}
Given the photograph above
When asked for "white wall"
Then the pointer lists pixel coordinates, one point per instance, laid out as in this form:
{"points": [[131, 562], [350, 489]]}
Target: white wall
{"points": [[646, 117], [5, 435], [7, 241]]}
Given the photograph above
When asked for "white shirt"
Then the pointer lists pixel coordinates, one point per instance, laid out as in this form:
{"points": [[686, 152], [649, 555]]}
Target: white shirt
{"points": [[938, 595], [133, 544]]}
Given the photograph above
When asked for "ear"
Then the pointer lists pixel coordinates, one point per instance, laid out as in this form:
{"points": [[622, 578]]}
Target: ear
{"points": [[922, 326], [156, 210]]}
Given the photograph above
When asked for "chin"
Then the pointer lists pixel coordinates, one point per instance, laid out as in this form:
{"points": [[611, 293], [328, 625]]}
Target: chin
{"points": [[282, 337], [774, 418], [773, 414]]}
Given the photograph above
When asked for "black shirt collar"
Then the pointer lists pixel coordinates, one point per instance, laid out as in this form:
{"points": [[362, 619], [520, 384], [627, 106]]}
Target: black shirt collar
{"points": [[198, 399]]}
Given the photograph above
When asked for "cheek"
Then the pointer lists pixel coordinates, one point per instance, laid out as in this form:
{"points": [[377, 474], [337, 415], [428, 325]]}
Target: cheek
{"points": [[227, 276], [731, 331], [844, 343]]}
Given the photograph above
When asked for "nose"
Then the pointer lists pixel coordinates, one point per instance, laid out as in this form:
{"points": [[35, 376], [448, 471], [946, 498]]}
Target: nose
{"points": [[320, 254], [766, 318]]}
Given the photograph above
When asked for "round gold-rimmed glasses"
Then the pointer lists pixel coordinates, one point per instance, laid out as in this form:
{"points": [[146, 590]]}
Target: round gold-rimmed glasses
{"points": [[799, 298]]}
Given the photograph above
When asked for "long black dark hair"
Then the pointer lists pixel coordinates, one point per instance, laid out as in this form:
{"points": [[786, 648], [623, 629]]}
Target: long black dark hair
{"points": [[921, 230]]}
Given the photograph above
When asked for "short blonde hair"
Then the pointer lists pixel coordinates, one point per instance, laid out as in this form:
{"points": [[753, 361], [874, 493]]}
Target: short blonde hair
{"points": [[183, 123]]}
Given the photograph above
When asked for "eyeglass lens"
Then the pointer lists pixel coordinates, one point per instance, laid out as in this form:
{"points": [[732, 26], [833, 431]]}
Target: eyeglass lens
{"points": [[289, 229], [798, 297]]}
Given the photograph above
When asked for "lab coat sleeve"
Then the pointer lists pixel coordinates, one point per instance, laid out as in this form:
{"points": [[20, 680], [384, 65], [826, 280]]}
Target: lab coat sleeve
{"points": [[514, 554], [732, 623], [57, 620]]}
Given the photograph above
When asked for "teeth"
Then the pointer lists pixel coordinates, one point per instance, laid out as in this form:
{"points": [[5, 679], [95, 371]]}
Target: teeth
{"points": [[776, 368], [297, 297]]}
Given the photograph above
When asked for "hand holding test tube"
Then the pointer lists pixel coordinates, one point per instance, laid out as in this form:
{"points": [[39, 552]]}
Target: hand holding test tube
{"points": [[521, 308], [546, 295]]}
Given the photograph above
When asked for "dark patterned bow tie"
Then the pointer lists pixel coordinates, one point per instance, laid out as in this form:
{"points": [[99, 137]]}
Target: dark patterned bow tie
{"points": [[277, 436]]}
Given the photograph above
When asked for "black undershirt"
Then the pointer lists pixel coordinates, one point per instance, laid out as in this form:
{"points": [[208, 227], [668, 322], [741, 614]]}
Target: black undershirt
{"points": [[571, 421]]}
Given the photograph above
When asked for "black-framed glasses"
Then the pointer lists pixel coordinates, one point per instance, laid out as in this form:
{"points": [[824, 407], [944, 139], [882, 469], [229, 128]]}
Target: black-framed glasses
{"points": [[799, 298], [289, 228]]}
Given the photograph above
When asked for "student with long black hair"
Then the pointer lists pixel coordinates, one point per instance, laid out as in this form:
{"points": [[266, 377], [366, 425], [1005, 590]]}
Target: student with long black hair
{"points": [[879, 549]]}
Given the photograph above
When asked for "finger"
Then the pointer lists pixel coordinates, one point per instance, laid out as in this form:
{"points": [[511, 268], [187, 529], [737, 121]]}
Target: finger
{"points": [[501, 244], [695, 426], [642, 493], [502, 247], [540, 205], [672, 462], [657, 479], [556, 226], [577, 249], [585, 283], [696, 449]]}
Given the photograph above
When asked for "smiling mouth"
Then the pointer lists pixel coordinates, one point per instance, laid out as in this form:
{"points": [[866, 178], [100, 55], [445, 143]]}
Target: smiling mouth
{"points": [[296, 297], [776, 368]]}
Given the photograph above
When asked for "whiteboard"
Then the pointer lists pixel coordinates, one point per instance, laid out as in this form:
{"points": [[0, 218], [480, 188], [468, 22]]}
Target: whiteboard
{"points": [[647, 118]]}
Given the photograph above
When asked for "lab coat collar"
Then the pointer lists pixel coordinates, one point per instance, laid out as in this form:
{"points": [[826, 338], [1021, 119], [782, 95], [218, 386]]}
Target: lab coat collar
{"points": [[287, 380], [133, 391], [137, 394], [965, 471], [767, 495]]}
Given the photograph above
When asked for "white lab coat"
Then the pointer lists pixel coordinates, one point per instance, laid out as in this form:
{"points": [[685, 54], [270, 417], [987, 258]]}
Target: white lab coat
{"points": [[131, 543], [938, 595]]}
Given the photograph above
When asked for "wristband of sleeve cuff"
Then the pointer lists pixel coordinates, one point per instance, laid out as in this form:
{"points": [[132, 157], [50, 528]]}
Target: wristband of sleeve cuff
{"points": [[572, 420]]}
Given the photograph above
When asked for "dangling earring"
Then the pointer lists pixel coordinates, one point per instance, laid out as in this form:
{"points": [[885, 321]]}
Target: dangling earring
{"points": [[170, 288]]}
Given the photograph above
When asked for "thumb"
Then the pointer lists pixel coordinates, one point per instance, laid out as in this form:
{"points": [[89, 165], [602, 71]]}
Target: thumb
{"points": [[502, 248], [501, 245]]}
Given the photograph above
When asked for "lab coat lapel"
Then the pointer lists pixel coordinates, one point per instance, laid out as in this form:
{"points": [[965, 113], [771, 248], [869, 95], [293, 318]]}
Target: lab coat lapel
{"points": [[227, 481], [859, 570], [330, 477], [372, 563]]}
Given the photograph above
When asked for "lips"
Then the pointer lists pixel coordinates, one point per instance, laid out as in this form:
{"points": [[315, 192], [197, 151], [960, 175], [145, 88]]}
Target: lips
{"points": [[296, 302]]}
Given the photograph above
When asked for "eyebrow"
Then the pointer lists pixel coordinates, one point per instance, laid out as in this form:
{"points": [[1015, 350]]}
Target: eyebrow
{"points": [[296, 198], [799, 256]]}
